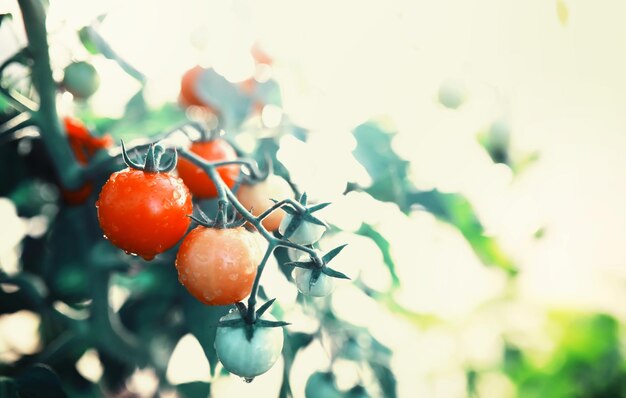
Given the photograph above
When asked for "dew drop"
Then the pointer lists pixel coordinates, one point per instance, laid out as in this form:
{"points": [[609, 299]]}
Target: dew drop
{"points": [[248, 379], [176, 195]]}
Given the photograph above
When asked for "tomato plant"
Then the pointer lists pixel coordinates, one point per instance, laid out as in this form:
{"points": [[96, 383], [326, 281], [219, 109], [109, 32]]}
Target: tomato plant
{"points": [[144, 210], [248, 357], [199, 183], [218, 265]]}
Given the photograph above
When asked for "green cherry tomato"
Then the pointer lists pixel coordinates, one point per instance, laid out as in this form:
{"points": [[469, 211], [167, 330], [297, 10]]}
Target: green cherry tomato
{"points": [[307, 232], [81, 79], [323, 286], [248, 358]]}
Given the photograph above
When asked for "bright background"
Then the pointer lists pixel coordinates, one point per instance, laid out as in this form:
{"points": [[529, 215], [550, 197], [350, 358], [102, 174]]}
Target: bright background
{"points": [[548, 74]]}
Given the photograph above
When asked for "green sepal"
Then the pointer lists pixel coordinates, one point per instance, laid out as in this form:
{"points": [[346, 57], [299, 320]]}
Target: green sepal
{"points": [[334, 274], [288, 210], [312, 219], [249, 329], [317, 207], [302, 264], [271, 324], [262, 309], [152, 161], [315, 275], [242, 309], [333, 253], [231, 323], [303, 199], [295, 222]]}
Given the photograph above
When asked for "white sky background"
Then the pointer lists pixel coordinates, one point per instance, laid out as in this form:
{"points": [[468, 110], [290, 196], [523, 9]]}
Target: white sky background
{"points": [[560, 87]]}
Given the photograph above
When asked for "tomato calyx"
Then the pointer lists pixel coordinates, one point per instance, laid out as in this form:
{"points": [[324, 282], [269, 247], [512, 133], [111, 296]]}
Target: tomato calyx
{"points": [[220, 222], [152, 161], [302, 214], [250, 320], [317, 269]]}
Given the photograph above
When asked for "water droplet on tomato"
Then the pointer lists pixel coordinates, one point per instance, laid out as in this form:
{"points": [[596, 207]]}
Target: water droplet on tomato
{"points": [[176, 195], [233, 277], [147, 257]]}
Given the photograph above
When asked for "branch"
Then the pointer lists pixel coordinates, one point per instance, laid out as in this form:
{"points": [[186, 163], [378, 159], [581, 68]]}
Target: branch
{"points": [[52, 135]]}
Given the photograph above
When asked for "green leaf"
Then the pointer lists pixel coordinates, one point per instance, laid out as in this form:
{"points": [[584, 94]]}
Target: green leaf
{"points": [[311, 218], [385, 248], [456, 210], [196, 389], [386, 379], [303, 199]]}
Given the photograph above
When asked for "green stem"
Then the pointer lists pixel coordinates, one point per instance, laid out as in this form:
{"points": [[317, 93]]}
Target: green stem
{"points": [[106, 329], [251, 314], [67, 168]]}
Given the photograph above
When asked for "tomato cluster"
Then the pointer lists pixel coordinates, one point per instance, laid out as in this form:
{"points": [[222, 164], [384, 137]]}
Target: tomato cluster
{"points": [[146, 210]]}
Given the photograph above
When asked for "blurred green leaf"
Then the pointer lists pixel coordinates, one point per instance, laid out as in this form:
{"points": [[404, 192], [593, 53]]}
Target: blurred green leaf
{"points": [[196, 389], [384, 247], [386, 379]]}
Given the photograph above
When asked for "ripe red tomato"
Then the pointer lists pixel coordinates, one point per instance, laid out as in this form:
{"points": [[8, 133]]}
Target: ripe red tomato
{"points": [[198, 182], [258, 198], [218, 266], [144, 213]]}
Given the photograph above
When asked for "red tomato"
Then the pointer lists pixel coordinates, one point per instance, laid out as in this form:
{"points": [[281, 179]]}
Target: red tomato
{"points": [[144, 213], [258, 198], [188, 89], [196, 179], [218, 266]]}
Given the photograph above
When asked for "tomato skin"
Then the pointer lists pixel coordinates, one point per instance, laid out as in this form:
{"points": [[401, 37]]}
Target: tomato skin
{"points": [[144, 213], [324, 285], [307, 232], [196, 179], [218, 266], [188, 82], [248, 358], [258, 198]]}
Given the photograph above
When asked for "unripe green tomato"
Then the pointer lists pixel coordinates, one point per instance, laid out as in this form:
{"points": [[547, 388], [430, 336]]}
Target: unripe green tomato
{"points": [[81, 79], [321, 385], [324, 285], [248, 358], [307, 232]]}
